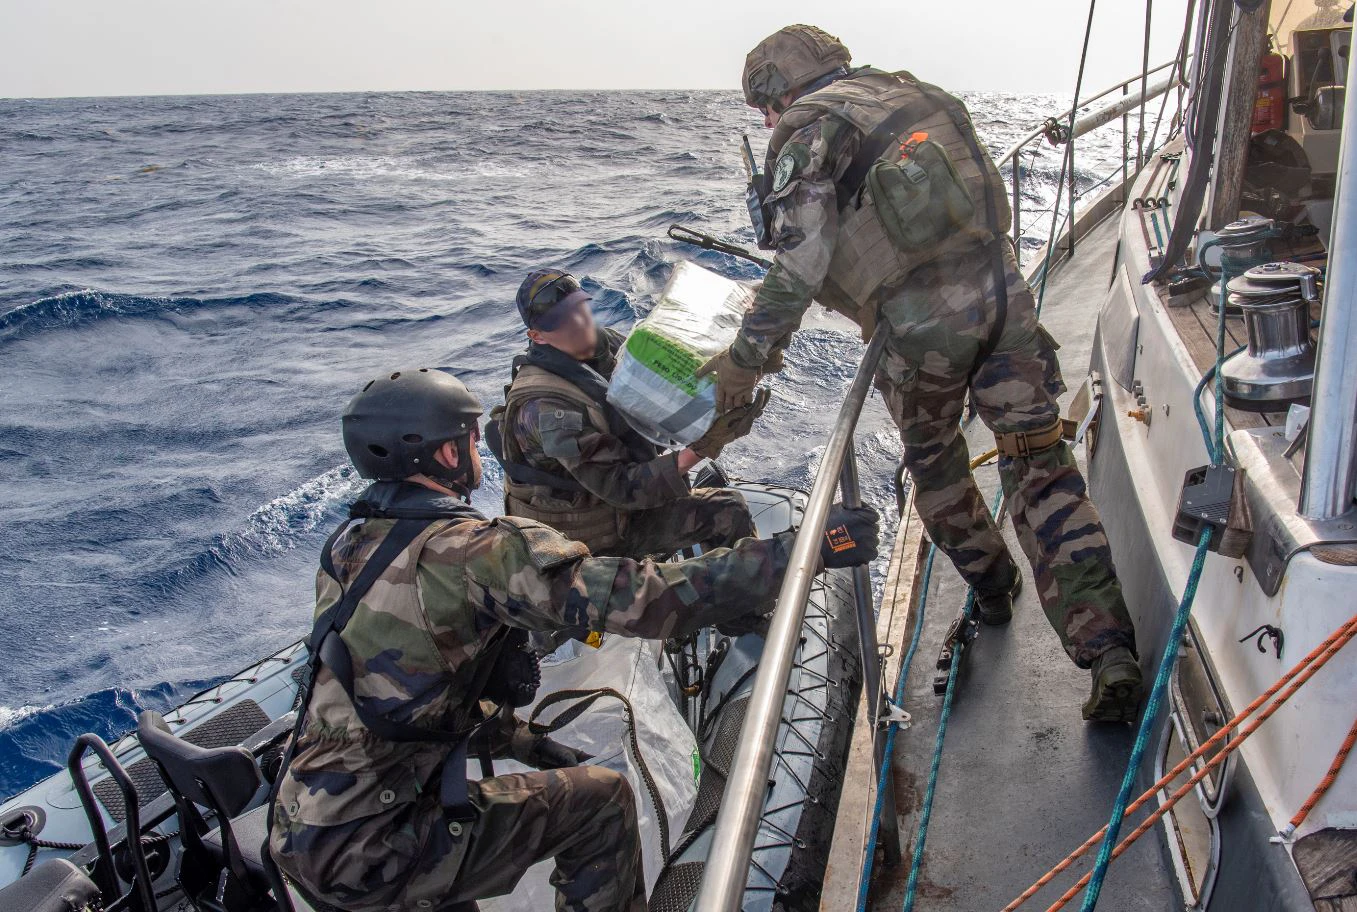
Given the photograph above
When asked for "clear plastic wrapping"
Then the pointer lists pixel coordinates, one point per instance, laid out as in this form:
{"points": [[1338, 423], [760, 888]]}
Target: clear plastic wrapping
{"points": [[653, 385]]}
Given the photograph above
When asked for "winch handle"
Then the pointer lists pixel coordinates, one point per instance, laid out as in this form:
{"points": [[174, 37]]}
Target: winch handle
{"points": [[686, 235]]}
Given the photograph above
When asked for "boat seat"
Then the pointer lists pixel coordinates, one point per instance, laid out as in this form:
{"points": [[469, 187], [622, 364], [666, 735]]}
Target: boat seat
{"points": [[222, 868], [250, 830], [56, 885]]}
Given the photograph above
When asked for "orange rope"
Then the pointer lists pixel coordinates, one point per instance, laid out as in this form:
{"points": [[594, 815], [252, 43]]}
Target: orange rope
{"points": [[1334, 768], [1215, 761], [1329, 646]]}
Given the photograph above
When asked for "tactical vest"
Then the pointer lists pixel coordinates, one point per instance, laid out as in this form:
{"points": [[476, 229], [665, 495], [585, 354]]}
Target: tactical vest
{"points": [[866, 264], [561, 502], [599, 525]]}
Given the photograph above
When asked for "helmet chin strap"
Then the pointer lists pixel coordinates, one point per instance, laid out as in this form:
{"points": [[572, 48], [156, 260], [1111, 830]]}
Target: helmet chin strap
{"points": [[458, 478]]}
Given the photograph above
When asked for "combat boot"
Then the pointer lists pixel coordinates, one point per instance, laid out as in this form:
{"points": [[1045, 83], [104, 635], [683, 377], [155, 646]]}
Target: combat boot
{"points": [[996, 608], [1116, 687]]}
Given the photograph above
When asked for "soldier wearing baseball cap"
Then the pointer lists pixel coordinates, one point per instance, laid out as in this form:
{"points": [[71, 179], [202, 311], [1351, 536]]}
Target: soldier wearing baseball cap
{"points": [[572, 462]]}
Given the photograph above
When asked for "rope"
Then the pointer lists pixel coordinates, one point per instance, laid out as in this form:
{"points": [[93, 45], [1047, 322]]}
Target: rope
{"points": [[1334, 768], [1320, 654], [865, 882], [1198, 776], [1161, 682], [916, 863], [1141, 151]]}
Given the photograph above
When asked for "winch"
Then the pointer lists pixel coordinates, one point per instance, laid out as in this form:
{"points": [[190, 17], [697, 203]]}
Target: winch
{"points": [[1243, 244], [1278, 366]]}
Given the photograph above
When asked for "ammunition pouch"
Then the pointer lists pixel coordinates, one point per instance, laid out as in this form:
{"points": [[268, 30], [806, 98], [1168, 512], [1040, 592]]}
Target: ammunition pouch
{"points": [[921, 200]]}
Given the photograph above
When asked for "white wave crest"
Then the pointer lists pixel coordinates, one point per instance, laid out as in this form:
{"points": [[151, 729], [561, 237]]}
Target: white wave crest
{"points": [[276, 526], [10, 716]]}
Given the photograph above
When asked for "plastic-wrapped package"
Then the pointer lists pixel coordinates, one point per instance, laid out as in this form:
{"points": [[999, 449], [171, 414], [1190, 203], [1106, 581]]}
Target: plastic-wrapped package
{"points": [[653, 386], [632, 668]]}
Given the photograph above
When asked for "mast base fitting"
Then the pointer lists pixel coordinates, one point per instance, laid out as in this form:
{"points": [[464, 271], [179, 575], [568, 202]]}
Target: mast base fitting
{"points": [[1212, 498]]}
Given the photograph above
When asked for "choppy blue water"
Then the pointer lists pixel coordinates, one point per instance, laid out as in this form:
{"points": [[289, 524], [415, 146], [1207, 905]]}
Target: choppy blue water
{"points": [[191, 288]]}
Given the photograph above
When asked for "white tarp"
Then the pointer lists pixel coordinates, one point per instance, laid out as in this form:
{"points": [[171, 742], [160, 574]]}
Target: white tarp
{"points": [[631, 667]]}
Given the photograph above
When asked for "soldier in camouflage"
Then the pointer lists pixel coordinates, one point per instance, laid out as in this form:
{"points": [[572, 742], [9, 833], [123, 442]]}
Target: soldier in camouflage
{"points": [[362, 820], [572, 462], [842, 208]]}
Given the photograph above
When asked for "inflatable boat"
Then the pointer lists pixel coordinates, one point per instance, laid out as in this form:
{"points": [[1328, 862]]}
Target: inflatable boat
{"points": [[106, 832]]}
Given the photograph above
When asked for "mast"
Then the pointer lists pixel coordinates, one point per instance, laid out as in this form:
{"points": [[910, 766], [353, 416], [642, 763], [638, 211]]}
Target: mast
{"points": [[1236, 115], [1331, 452]]}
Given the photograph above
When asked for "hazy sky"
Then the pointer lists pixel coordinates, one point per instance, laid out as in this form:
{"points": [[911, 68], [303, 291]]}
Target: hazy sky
{"points": [[154, 47]]}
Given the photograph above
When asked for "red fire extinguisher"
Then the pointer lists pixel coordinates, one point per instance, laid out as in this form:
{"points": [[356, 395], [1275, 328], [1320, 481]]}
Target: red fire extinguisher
{"points": [[1269, 106]]}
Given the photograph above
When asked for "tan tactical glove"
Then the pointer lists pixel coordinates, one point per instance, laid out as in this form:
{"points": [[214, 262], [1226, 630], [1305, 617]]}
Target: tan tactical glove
{"points": [[731, 426], [734, 383]]}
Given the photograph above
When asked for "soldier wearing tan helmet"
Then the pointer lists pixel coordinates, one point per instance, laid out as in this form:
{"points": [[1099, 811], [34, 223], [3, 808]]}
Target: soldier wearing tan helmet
{"points": [[882, 205]]}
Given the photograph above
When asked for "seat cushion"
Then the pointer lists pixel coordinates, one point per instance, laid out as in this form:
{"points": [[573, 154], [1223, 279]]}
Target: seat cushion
{"points": [[56, 885], [250, 828]]}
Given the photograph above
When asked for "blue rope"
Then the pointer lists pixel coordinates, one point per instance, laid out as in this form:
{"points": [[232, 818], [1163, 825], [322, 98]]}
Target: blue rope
{"points": [[1215, 445], [916, 863], [864, 887], [1095, 884]]}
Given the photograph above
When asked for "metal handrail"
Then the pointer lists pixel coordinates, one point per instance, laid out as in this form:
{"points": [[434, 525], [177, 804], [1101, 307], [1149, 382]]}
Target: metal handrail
{"points": [[1041, 130], [737, 822], [1090, 121]]}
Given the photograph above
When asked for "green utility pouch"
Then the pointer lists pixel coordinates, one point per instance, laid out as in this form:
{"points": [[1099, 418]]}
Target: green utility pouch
{"points": [[920, 200]]}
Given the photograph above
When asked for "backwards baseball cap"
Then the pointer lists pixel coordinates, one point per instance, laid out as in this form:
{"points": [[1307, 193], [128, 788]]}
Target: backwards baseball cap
{"points": [[548, 295]]}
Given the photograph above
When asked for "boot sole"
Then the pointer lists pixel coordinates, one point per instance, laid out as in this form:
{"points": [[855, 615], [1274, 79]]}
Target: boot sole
{"points": [[1117, 699]]}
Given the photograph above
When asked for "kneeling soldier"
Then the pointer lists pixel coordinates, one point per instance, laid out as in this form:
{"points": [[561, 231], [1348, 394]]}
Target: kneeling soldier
{"points": [[421, 608]]}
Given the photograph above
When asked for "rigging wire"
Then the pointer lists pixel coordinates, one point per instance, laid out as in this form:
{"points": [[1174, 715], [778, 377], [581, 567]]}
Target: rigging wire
{"points": [[1141, 149], [1067, 163]]}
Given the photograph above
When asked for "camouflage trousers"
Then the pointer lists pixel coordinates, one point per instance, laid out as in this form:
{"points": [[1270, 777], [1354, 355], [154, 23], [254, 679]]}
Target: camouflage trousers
{"points": [[710, 517], [940, 323], [584, 817]]}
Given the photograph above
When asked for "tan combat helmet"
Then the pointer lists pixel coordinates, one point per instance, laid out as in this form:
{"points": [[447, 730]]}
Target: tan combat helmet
{"points": [[788, 59]]}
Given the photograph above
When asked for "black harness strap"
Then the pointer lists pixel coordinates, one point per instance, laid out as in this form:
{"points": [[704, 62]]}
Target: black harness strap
{"points": [[523, 473], [587, 698], [875, 144]]}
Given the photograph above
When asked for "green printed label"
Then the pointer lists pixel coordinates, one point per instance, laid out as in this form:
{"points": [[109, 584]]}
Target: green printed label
{"points": [[670, 361], [697, 766]]}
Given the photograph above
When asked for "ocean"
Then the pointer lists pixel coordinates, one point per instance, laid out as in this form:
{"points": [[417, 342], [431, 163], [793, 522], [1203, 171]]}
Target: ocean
{"points": [[192, 287]]}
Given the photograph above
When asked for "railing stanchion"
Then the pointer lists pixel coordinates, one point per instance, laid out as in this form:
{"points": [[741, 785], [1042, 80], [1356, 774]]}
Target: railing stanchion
{"points": [[1125, 140], [737, 821], [1017, 206], [869, 654]]}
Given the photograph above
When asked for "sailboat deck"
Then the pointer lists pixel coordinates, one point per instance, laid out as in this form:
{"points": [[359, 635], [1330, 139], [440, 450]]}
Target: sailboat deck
{"points": [[1023, 779]]}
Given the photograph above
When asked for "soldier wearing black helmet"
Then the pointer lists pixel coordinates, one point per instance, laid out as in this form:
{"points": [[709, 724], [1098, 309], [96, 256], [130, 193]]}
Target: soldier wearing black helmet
{"points": [[571, 461], [883, 206], [421, 607]]}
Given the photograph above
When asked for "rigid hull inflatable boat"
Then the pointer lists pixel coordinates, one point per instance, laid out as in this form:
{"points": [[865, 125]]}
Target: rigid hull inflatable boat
{"points": [[684, 699]]}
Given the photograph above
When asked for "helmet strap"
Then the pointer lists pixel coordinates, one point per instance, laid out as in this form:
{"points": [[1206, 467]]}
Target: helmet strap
{"points": [[459, 478]]}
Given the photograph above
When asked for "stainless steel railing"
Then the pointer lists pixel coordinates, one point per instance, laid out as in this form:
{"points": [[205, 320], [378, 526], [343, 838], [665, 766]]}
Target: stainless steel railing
{"points": [[737, 822], [1057, 126], [1331, 453]]}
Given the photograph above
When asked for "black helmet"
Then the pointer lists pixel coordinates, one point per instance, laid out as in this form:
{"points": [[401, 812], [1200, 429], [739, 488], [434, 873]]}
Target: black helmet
{"points": [[395, 425]]}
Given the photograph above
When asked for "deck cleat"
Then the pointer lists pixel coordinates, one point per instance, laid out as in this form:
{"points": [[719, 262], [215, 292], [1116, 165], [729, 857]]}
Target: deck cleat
{"points": [[962, 632], [1116, 687]]}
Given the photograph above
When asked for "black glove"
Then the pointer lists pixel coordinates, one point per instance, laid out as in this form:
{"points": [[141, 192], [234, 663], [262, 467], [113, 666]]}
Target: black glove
{"points": [[851, 536]]}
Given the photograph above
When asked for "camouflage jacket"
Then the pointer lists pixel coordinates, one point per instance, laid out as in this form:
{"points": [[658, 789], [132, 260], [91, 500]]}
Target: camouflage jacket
{"points": [[556, 437], [803, 227], [353, 810]]}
